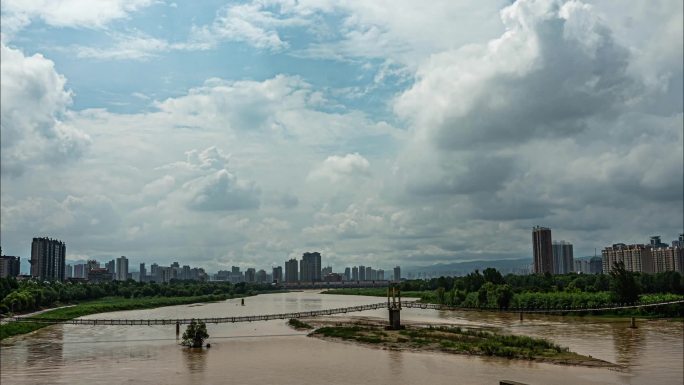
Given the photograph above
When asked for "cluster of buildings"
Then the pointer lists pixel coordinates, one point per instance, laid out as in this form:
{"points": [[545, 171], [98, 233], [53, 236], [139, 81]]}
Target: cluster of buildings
{"points": [[654, 257], [307, 270], [557, 257], [117, 270]]}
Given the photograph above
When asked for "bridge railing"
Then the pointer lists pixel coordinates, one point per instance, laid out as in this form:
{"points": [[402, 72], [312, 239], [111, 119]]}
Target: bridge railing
{"points": [[316, 313]]}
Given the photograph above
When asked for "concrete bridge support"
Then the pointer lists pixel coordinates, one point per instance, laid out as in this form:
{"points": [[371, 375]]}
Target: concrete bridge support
{"points": [[394, 308]]}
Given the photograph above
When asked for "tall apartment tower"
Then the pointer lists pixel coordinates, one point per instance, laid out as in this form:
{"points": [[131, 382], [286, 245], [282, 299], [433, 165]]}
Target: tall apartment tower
{"points": [[143, 273], [9, 266], [121, 268], [397, 273], [310, 267], [291, 273], [563, 259], [48, 259], [362, 273], [355, 273], [277, 275], [543, 252]]}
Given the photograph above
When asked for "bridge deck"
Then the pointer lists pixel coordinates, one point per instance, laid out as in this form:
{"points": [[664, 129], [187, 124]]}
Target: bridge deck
{"points": [[316, 313]]}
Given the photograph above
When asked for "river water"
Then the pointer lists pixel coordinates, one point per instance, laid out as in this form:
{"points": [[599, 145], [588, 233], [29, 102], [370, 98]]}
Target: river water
{"points": [[269, 352]]}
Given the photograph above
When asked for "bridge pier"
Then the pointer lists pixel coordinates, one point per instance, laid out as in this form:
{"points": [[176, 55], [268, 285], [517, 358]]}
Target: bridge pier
{"points": [[632, 323], [394, 309], [177, 329]]}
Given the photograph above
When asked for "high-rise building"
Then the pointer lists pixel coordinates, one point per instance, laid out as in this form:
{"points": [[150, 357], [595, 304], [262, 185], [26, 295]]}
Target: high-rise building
{"points": [[310, 267], [291, 273], [69, 271], [121, 268], [261, 276], [637, 257], [48, 258], [369, 273], [143, 273], [563, 259], [250, 275], [154, 273], [9, 266], [362, 273], [381, 275], [80, 271], [543, 253], [326, 270], [397, 274], [347, 274], [355, 273], [580, 266], [111, 267], [277, 274], [595, 265]]}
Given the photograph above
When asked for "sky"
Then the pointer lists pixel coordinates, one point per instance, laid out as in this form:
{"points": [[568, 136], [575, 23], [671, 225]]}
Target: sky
{"points": [[380, 132]]}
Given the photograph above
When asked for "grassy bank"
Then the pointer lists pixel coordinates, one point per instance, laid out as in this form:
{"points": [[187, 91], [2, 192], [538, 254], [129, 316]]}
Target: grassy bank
{"points": [[299, 325], [456, 340], [103, 305]]}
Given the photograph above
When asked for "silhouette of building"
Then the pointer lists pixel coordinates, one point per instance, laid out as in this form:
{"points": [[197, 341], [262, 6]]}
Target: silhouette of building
{"points": [[310, 267], [277, 274], [48, 258], [347, 274], [142, 277], [543, 252], [596, 265], [121, 268], [250, 275], [397, 273], [111, 267], [69, 271], [291, 273], [362, 273], [97, 275], [563, 259], [355, 273], [9, 266]]}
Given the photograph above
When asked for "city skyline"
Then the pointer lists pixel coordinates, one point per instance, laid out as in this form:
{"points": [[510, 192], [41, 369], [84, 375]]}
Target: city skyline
{"points": [[246, 133]]}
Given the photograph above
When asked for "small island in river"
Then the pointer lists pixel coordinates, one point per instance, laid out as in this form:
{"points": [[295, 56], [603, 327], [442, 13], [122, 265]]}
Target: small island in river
{"points": [[450, 339]]}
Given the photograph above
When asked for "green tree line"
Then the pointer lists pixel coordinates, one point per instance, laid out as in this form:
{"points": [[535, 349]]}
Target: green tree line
{"points": [[492, 290], [28, 295]]}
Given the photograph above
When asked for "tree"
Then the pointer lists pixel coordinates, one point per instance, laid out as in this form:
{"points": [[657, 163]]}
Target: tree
{"points": [[195, 334], [440, 295], [492, 275], [623, 284]]}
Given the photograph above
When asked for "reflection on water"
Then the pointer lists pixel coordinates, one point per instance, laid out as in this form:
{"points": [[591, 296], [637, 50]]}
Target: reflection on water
{"points": [[195, 359], [271, 352], [628, 342]]}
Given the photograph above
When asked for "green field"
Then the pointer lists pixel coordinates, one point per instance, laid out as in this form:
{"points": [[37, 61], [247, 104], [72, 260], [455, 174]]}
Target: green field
{"points": [[103, 305]]}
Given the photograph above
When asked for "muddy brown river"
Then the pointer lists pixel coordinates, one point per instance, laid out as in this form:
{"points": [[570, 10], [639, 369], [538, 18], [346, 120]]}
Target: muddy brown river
{"points": [[270, 352]]}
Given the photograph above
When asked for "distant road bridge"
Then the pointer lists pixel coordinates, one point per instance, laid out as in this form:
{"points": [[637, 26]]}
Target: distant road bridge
{"points": [[317, 313]]}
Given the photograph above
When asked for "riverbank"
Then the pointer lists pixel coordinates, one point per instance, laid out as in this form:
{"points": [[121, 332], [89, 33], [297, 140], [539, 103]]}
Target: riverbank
{"points": [[542, 301], [103, 305], [453, 340]]}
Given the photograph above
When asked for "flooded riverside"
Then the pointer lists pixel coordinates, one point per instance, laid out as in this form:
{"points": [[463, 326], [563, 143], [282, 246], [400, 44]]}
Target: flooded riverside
{"points": [[271, 352]]}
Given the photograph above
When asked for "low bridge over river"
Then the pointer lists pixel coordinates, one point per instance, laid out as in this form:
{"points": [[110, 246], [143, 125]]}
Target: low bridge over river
{"points": [[393, 306]]}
